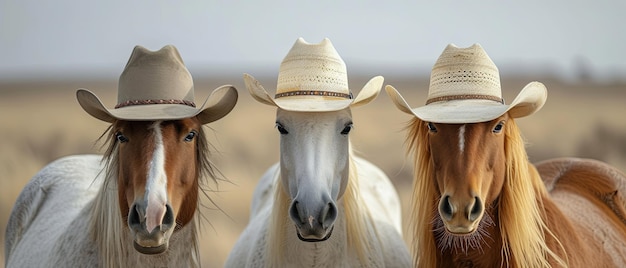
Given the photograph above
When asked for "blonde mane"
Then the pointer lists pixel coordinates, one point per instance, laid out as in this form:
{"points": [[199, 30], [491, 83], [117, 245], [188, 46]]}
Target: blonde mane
{"points": [[107, 226], [520, 208], [357, 218]]}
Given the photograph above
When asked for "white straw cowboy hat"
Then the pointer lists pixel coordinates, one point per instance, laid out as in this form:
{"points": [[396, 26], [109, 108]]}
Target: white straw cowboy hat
{"points": [[465, 88], [313, 78], [156, 85]]}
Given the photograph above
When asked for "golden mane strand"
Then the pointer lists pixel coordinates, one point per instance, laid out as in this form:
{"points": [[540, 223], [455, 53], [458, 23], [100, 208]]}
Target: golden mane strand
{"points": [[521, 212], [423, 199]]}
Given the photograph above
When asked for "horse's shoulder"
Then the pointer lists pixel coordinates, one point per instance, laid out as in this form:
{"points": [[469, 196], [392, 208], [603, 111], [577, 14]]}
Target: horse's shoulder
{"points": [[43, 187], [264, 191], [365, 166], [373, 179], [379, 193]]}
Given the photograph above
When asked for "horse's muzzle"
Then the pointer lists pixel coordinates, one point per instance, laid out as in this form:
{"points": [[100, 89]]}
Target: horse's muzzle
{"points": [[150, 242]]}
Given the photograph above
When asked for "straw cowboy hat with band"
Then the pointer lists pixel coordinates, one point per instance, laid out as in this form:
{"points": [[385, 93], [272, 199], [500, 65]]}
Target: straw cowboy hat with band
{"points": [[156, 85], [465, 88], [313, 78]]}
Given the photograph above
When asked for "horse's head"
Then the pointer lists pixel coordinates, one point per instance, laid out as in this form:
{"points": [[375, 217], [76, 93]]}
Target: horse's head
{"points": [[314, 167], [468, 167], [157, 177]]}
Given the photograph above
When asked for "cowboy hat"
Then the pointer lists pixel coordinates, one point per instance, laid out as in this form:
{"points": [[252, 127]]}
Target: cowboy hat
{"points": [[465, 88], [313, 78], [156, 85]]}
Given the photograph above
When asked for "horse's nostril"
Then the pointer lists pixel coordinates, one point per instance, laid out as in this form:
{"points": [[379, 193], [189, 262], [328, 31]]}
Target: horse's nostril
{"points": [[134, 220], [294, 212], [329, 214], [476, 209], [445, 208], [168, 218]]}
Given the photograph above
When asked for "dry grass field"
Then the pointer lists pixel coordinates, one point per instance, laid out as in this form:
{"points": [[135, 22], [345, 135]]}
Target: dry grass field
{"points": [[41, 121]]}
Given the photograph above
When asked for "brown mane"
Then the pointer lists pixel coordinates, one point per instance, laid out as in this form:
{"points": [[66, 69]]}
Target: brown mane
{"points": [[532, 229]]}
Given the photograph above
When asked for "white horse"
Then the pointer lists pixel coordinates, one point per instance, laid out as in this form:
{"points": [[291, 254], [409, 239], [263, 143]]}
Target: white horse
{"points": [[95, 211], [321, 206]]}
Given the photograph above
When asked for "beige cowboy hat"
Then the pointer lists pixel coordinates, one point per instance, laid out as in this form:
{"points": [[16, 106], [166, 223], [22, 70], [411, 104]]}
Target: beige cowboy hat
{"points": [[313, 78], [156, 85], [465, 88]]}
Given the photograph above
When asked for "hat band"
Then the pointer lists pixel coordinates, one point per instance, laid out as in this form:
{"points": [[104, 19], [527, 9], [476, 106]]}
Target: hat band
{"points": [[145, 102], [314, 93], [465, 97]]}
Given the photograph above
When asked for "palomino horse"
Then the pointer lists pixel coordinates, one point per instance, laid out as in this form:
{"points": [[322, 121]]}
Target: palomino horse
{"points": [[135, 208], [321, 206], [478, 202]]}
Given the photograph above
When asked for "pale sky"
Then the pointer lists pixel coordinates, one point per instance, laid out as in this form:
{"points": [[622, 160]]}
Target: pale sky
{"points": [[73, 38]]}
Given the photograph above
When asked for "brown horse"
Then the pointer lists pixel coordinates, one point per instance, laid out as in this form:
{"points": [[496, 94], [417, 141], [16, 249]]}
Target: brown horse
{"points": [[478, 202]]}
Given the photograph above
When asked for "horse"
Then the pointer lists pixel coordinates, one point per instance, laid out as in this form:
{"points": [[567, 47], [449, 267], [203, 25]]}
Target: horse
{"points": [[135, 206], [320, 205], [479, 202]]}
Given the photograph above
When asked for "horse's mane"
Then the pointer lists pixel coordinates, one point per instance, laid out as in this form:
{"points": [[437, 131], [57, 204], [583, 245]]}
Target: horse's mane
{"points": [[108, 226], [357, 220], [520, 206]]}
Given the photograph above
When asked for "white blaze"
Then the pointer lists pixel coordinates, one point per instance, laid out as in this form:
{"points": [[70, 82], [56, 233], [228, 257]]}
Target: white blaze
{"points": [[156, 185], [462, 139]]}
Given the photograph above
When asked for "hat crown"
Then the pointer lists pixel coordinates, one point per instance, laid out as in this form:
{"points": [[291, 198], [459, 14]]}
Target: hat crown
{"points": [[154, 76], [311, 67], [464, 73]]}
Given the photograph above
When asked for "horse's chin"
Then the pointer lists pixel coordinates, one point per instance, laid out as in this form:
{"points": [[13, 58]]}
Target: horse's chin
{"points": [[152, 243], [462, 227], [150, 250], [463, 239], [315, 239], [461, 230]]}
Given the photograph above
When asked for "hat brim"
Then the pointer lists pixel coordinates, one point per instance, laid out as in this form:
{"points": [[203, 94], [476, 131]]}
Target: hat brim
{"points": [[368, 93], [218, 104], [530, 99]]}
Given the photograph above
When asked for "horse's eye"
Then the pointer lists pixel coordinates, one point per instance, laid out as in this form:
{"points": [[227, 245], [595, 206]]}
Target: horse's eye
{"points": [[281, 129], [346, 129], [432, 128], [498, 127], [120, 137], [190, 136]]}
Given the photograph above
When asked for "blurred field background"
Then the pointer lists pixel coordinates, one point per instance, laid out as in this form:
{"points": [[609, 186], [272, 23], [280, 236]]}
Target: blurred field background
{"points": [[41, 121]]}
